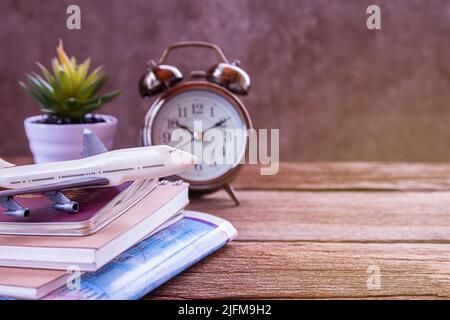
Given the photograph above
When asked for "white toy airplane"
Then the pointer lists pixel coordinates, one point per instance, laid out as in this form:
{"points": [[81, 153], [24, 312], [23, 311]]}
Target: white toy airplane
{"points": [[98, 168]]}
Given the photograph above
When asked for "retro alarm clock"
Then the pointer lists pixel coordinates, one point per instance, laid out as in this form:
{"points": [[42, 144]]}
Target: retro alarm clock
{"points": [[208, 97]]}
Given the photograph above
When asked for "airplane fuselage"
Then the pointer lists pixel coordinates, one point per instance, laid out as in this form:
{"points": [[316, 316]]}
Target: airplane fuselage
{"points": [[117, 166]]}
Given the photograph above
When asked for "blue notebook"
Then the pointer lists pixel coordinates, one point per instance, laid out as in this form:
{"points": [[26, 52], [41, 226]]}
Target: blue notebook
{"points": [[153, 261]]}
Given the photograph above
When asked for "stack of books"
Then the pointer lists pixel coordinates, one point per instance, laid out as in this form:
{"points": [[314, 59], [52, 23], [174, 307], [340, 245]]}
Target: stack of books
{"points": [[124, 242]]}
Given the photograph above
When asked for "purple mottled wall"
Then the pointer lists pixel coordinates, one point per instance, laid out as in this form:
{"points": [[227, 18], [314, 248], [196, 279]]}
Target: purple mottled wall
{"points": [[336, 90]]}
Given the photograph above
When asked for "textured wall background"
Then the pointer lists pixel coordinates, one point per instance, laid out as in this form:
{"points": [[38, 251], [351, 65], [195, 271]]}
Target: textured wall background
{"points": [[336, 90]]}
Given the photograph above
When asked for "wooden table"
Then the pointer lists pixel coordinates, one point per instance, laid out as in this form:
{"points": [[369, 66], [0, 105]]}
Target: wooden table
{"points": [[324, 230], [320, 230]]}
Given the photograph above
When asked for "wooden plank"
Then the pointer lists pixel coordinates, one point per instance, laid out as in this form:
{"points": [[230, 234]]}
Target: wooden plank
{"points": [[315, 270], [335, 216], [315, 176], [313, 244], [348, 176], [20, 161]]}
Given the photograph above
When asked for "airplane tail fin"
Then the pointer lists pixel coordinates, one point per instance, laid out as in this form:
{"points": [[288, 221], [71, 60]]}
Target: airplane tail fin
{"points": [[92, 144], [5, 164]]}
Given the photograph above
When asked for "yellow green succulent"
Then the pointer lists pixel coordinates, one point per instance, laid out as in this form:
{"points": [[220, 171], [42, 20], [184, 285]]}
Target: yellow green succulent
{"points": [[70, 91]]}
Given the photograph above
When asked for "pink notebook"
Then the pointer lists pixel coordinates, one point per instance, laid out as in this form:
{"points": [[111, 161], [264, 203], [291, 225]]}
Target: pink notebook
{"points": [[92, 252], [25, 283], [98, 208], [90, 201]]}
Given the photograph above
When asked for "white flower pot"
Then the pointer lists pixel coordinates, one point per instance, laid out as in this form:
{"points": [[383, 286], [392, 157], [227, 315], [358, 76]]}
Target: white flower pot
{"points": [[59, 142]]}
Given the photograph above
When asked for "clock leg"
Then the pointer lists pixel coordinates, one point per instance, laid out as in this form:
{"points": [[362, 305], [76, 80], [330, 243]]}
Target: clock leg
{"points": [[232, 193]]}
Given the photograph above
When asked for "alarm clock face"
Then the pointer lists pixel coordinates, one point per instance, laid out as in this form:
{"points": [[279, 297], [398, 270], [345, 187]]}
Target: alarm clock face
{"points": [[197, 109]]}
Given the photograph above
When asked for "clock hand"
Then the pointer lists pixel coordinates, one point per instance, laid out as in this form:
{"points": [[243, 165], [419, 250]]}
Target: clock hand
{"points": [[217, 124], [181, 126], [196, 136]]}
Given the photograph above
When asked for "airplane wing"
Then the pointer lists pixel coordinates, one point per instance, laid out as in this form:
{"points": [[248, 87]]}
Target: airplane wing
{"points": [[71, 184], [5, 164], [52, 191], [92, 144]]}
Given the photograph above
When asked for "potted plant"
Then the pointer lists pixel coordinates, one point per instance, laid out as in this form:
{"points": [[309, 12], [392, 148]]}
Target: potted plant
{"points": [[68, 96]]}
